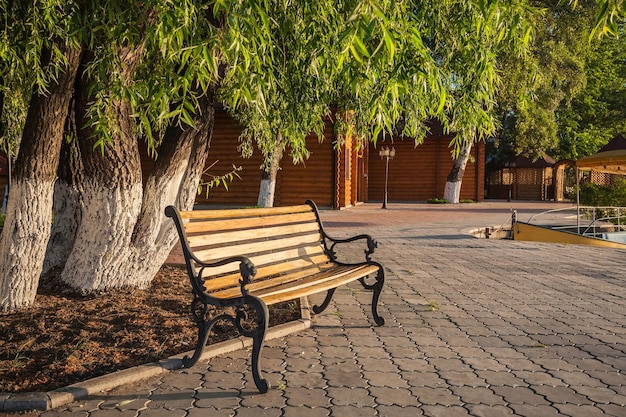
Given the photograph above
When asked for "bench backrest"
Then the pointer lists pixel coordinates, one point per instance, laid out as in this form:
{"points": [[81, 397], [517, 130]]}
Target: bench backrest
{"points": [[279, 240]]}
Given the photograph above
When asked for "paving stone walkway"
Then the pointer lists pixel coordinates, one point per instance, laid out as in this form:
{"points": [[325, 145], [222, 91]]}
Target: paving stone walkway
{"points": [[474, 327]]}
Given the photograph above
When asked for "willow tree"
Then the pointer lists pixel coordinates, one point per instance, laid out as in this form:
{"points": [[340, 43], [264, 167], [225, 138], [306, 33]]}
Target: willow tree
{"points": [[390, 65], [275, 79], [102, 78], [106, 77]]}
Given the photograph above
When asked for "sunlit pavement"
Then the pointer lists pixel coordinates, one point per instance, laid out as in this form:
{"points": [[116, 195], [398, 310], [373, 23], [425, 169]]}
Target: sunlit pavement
{"points": [[473, 327]]}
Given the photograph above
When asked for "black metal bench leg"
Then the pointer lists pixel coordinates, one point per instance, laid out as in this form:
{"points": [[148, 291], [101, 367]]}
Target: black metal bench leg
{"points": [[329, 295], [258, 336], [204, 329], [378, 288]]}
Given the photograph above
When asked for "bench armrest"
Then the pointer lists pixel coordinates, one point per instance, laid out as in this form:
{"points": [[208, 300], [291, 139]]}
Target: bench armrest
{"points": [[246, 269], [371, 244]]}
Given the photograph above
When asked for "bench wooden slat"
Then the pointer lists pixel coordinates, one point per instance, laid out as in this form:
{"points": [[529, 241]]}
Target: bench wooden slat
{"points": [[269, 274], [308, 254], [294, 281], [226, 238], [216, 253], [244, 213], [211, 226], [279, 295]]}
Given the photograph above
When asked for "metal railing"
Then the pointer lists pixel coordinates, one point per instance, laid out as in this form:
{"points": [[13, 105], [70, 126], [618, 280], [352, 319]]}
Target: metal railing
{"points": [[585, 220]]}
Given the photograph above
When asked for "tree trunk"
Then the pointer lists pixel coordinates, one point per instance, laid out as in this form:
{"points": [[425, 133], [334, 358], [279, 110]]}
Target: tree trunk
{"points": [[66, 206], [173, 181], [27, 225], [123, 236], [452, 189], [270, 174], [107, 189]]}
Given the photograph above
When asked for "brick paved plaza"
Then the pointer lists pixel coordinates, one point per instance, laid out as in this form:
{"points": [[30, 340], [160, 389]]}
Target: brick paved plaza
{"points": [[473, 327]]}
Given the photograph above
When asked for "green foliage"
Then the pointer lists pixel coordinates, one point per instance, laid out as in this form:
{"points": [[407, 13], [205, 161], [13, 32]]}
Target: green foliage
{"points": [[549, 75], [437, 201], [566, 96], [613, 195], [598, 112], [278, 65], [217, 180], [610, 14]]}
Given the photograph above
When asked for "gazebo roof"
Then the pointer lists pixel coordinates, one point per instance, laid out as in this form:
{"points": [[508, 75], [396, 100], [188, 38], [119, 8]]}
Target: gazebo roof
{"points": [[610, 159], [525, 162], [618, 142]]}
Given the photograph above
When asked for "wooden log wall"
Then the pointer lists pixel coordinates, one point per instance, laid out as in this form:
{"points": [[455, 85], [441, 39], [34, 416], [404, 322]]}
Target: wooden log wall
{"points": [[420, 173], [311, 179]]}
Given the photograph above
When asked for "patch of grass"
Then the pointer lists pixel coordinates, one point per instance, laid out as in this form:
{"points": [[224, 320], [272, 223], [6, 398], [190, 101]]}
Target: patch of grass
{"points": [[353, 291], [434, 306], [437, 201], [467, 201]]}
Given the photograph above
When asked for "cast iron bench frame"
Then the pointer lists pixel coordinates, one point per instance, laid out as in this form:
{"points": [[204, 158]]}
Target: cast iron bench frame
{"points": [[262, 256]]}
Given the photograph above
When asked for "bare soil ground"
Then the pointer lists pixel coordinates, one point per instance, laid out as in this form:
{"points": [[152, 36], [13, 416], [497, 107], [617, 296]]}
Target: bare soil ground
{"points": [[71, 338]]}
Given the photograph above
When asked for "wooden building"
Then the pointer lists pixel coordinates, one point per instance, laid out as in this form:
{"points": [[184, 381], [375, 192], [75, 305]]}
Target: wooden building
{"points": [[420, 173], [342, 177], [521, 178]]}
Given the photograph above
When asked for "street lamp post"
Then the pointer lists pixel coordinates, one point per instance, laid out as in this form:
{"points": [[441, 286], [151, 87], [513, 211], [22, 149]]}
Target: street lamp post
{"points": [[387, 154]]}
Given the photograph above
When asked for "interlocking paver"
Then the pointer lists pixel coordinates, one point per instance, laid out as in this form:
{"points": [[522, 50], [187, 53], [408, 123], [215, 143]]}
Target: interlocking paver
{"points": [[540, 378], [537, 410], [209, 412], [612, 410], [477, 395], [579, 410], [424, 379], [350, 411], [397, 411], [393, 396], [473, 327], [358, 397], [312, 397], [443, 411], [484, 410], [601, 395], [219, 399], [519, 395], [259, 412], [561, 395]]}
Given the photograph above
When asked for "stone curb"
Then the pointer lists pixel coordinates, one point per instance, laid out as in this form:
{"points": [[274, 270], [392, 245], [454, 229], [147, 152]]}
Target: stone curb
{"points": [[45, 401]]}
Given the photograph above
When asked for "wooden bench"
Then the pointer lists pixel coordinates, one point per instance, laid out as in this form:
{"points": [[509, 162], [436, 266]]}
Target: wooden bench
{"points": [[248, 259]]}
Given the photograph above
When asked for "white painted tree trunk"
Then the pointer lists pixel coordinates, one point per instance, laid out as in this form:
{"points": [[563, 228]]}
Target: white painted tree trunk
{"points": [[23, 242], [29, 210], [267, 190], [452, 190], [99, 257], [67, 217], [124, 236]]}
